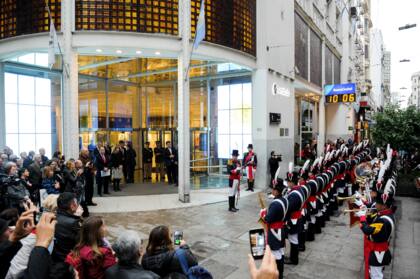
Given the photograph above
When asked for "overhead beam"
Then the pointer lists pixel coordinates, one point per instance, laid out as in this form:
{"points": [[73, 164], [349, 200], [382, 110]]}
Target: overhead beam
{"points": [[106, 63]]}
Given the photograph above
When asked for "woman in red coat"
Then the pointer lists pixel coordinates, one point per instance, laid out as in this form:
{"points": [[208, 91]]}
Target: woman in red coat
{"points": [[92, 255]]}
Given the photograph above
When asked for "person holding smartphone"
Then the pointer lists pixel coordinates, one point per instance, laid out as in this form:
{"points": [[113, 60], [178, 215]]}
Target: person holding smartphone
{"points": [[274, 218]]}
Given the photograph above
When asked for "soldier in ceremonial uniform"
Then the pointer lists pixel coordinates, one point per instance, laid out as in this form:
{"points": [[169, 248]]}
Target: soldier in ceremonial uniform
{"points": [[234, 170], [250, 165], [274, 218], [295, 222], [378, 234]]}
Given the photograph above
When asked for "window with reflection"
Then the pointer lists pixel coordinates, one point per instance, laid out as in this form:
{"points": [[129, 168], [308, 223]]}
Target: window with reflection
{"points": [[146, 16], [231, 23], [301, 46], [198, 105], [316, 59], [337, 70], [19, 17], [33, 113], [234, 118], [328, 66], [158, 107], [92, 104]]}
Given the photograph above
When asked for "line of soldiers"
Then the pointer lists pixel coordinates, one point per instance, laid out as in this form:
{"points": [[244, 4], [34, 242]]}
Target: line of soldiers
{"points": [[306, 199], [376, 213]]}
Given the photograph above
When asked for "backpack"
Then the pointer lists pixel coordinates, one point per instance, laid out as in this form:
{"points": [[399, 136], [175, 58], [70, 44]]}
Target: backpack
{"points": [[194, 272]]}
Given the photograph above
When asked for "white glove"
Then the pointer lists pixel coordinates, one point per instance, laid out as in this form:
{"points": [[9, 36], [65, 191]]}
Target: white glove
{"points": [[357, 195], [361, 212], [359, 202]]}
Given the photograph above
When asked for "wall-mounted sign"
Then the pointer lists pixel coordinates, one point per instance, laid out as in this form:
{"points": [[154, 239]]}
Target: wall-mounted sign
{"points": [[340, 93], [277, 90], [275, 118]]}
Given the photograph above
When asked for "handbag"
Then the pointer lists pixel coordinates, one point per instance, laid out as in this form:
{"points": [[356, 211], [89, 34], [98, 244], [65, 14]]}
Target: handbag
{"points": [[194, 272], [117, 173]]}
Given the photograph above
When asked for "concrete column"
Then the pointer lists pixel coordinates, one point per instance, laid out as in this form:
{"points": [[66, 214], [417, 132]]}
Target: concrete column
{"points": [[70, 94], [2, 109], [184, 103], [321, 117]]}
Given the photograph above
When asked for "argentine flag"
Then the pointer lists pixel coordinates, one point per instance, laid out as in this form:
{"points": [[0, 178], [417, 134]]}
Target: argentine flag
{"points": [[200, 32]]}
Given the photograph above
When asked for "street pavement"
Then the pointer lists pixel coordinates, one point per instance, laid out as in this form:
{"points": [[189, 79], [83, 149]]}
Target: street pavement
{"points": [[406, 263], [220, 240]]}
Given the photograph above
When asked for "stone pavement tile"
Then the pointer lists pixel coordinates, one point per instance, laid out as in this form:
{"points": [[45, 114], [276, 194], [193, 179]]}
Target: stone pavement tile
{"points": [[219, 270]]}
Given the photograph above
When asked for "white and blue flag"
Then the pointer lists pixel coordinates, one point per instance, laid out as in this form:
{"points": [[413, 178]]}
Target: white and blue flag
{"points": [[200, 33]]}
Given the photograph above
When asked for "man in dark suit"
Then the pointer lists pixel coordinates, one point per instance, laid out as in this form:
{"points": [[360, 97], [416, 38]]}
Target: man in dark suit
{"points": [[147, 161], [171, 162], [103, 173], [35, 178]]}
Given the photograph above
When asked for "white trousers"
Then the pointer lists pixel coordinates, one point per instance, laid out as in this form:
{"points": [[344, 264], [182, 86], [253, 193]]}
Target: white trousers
{"points": [[293, 238], [234, 189], [376, 272], [278, 254]]}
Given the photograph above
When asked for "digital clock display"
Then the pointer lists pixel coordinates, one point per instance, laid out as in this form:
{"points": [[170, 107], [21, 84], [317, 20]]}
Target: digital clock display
{"points": [[340, 93], [341, 98]]}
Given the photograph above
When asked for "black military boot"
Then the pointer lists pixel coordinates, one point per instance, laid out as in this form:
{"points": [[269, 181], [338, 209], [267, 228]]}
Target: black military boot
{"points": [[249, 186], [232, 204], [234, 201], [302, 240], [252, 186], [280, 267], [318, 225], [310, 232], [294, 255]]}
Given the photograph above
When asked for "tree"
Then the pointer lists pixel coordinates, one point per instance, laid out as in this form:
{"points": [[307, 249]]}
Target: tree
{"points": [[398, 127]]}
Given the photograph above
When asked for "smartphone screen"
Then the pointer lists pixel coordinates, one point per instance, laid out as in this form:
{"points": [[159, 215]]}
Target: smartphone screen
{"points": [[257, 243], [178, 236]]}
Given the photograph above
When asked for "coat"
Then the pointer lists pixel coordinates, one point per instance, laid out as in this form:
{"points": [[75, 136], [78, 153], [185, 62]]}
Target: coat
{"points": [[100, 164], [85, 266], [167, 154], [35, 174], [49, 185], [66, 234], [17, 193], [129, 271], [8, 250], [164, 262]]}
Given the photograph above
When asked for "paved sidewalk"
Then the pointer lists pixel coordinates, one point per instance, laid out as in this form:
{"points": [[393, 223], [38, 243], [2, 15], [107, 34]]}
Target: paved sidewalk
{"points": [[407, 241], [220, 239]]}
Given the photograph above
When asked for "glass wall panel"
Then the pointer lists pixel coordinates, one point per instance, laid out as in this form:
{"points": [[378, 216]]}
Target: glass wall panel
{"points": [[92, 104], [316, 59], [301, 46], [337, 70], [234, 122], [198, 105], [231, 23], [19, 17], [33, 111], [158, 107], [328, 66], [123, 106]]}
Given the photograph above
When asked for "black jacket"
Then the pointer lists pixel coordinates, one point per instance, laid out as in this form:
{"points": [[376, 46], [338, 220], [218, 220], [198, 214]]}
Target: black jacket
{"points": [[166, 156], [66, 234], [8, 250], [164, 262], [132, 271], [39, 264], [35, 174], [147, 155], [70, 180], [100, 164]]}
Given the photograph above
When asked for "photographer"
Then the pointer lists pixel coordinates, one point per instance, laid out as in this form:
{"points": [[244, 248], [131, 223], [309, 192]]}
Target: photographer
{"points": [[273, 164], [14, 193]]}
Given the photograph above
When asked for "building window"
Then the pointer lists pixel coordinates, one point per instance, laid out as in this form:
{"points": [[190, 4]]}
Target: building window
{"points": [[230, 23], [146, 16], [234, 118], [328, 66], [19, 17], [33, 112], [316, 59], [301, 47]]}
